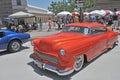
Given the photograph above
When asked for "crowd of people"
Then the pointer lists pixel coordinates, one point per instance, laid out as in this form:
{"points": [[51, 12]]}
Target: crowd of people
{"points": [[21, 27], [110, 20]]}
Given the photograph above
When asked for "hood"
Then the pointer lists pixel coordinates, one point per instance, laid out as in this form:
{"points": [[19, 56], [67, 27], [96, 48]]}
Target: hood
{"points": [[47, 43], [64, 36]]}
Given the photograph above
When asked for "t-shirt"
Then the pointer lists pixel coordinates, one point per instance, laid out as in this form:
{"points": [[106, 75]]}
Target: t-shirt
{"points": [[115, 17]]}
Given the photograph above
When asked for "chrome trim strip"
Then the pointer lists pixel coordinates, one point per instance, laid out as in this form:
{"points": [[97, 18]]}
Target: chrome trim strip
{"points": [[53, 69], [3, 50]]}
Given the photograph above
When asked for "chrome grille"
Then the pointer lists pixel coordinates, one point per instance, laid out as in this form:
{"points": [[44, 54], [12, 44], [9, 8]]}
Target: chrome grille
{"points": [[47, 57]]}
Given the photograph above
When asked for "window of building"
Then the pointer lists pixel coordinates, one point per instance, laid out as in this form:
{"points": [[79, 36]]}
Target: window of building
{"points": [[18, 2]]}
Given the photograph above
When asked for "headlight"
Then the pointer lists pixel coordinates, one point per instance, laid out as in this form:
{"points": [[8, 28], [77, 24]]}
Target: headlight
{"points": [[62, 52]]}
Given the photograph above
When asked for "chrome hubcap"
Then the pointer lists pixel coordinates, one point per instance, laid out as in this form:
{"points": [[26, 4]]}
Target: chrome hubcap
{"points": [[79, 63], [15, 46]]}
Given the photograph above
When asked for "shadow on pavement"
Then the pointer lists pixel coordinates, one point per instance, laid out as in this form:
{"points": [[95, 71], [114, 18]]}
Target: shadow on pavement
{"points": [[47, 73], [7, 52]]}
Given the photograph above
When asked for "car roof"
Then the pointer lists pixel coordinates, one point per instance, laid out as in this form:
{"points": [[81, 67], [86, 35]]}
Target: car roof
{"points": [[5, 31], [86, 24]]}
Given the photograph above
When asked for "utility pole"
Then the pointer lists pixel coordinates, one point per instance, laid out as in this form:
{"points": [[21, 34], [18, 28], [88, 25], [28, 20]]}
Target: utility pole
{"points": [[80, 5]]}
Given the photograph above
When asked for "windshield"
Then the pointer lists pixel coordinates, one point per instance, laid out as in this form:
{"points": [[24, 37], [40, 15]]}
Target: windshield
{"points": [[77, 29]]}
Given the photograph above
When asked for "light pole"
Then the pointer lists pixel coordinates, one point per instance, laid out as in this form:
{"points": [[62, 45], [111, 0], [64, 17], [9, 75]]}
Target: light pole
{"points": [[80, 5]]}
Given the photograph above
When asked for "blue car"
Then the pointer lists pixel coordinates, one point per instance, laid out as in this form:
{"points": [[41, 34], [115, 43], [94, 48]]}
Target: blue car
{"points": [[12, 41]]}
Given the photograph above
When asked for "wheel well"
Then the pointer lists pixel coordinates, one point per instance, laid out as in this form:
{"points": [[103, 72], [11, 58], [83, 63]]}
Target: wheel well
{"points": [[15, 40], [85, 58]]}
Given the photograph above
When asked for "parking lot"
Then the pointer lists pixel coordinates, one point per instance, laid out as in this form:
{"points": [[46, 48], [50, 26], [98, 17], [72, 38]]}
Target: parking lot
{"points": [[18, 66]]}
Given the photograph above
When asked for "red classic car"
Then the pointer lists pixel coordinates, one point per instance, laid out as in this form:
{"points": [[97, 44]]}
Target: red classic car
{"points": [[67, 50]]}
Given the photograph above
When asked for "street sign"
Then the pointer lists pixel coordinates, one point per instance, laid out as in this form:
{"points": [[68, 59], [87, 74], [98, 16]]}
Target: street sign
{"points": [[80, 3]]}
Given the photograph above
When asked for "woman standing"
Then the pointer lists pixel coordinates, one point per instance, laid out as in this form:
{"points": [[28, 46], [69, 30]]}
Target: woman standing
{"points": [[49, 24]]}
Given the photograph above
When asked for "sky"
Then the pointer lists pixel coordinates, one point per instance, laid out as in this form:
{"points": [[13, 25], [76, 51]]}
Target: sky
{"points": [[41, 3]]}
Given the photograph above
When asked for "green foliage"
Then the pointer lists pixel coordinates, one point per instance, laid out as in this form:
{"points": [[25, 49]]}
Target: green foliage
{"points": [[70, 6], [90, 3], [57, 7]]}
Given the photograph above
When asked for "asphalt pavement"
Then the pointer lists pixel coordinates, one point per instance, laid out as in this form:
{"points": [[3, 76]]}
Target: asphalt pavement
{"points": [[18, 66], [37, 33]]}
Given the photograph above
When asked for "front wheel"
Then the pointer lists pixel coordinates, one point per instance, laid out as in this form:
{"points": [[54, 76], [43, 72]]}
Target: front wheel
{"points": [[14, 46], [79, 62]]}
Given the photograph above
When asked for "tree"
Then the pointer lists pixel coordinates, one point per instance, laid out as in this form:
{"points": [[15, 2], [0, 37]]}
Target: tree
{"points": [[70, 6], [90, 3], [57, 7]]}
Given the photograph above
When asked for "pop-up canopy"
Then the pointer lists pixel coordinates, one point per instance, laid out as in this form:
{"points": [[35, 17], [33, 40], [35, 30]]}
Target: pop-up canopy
{"points": [[64, 13], [20, 14]]}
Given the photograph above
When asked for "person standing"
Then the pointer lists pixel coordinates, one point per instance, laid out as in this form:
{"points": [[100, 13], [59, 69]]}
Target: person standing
{"points": [[40, 25], [76, 19], [67, 19], [119, 22], [20, 29], [49, 24], [92, 18], [115, 20]]}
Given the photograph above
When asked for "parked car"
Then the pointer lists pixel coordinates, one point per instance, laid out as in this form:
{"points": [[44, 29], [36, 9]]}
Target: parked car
{"points": [[66, 51], [12, 41]]}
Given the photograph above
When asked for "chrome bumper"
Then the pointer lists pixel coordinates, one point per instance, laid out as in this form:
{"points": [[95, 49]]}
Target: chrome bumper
{"points": [[52, 68]]}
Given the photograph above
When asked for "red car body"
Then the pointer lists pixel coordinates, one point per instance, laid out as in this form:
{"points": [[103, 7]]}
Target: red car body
{"points": [[61, 52]]}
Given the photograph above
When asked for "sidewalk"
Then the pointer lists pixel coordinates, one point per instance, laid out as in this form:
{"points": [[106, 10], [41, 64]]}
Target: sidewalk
{"points": [[37, 33]]}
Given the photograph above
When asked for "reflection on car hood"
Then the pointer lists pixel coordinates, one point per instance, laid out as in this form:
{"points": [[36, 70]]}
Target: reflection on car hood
{"points": [[47, 43], [64, 36]]}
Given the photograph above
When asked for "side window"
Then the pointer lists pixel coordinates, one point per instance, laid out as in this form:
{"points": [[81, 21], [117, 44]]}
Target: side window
{"points": [[98, 30], [86, 30], [2, 34]]}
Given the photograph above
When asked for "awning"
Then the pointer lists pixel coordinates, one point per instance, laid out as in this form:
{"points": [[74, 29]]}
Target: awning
{"points": [[20, 14]]}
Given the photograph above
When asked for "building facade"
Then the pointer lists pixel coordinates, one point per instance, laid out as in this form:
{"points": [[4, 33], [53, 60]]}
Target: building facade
{"points": [[8, 7], [106, 4], [19, 5], [40, 13], [5, 8]]}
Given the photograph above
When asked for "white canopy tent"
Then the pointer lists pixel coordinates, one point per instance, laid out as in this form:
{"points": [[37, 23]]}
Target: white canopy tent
{"points": [[64, 13], [101, 12], [20, 14], [107, 12], [97, 13], [118, 12]]}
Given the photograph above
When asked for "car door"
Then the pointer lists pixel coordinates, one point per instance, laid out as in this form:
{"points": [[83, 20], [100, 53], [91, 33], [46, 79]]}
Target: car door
{"points": [[2, 41], [112, 38], [99, 39]]}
